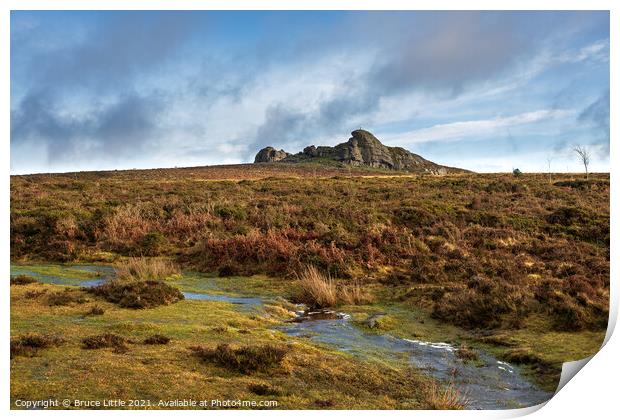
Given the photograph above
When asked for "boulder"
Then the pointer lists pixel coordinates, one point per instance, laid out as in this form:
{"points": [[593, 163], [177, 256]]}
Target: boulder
{"points": [[269, 154]]}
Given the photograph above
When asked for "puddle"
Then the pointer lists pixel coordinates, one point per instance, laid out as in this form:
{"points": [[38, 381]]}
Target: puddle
{"points": [[486, 384]]}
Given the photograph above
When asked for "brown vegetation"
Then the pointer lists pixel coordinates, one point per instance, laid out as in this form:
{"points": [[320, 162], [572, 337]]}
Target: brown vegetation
{"points": [[22, 280], [244, 359], [466, 353], [137, 294], [146, 269], [66, 297], [156, 339], [444, 397], [29, 344], [95, 310], [107, 340], [317, 290], [495, 248]]}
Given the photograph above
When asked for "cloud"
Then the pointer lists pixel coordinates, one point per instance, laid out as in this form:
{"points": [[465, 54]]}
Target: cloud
{"points": [[596, 114], [124, 86], [475, 128], [121, 128], [450, 53], [111, 52]]}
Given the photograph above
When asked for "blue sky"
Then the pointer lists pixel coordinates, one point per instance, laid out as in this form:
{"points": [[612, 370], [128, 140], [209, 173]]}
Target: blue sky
{"points": [[487, 91]]}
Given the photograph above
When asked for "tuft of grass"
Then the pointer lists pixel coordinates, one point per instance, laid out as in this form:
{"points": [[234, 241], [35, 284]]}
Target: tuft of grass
{"points": [[106, 340], [317, 290], [244, 359], [354, 294], [444, 398], [141, 268], [33, 294], [29, 344], [156, 339], [64, 298], [22, 279], [138, 294], [324, 403], [466, 353], [263, 389], [95, 310]]}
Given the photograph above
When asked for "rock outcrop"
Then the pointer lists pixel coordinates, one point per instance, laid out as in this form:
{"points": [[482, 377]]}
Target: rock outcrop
{"points": [[269, 154], [362, 149]]}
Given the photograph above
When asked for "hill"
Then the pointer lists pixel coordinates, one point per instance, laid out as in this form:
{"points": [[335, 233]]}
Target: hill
{"points": [[362, 149]]}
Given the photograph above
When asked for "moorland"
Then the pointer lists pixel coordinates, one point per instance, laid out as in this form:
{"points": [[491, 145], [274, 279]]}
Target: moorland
{"points": [[516, 267]]}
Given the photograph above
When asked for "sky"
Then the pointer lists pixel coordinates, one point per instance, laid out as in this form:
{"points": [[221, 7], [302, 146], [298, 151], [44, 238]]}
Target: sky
{"points": [[485, 91]]}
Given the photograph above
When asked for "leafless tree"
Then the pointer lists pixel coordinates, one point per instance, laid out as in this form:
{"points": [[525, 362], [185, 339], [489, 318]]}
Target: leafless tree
{"points": [[584, 157], [549, 159]]}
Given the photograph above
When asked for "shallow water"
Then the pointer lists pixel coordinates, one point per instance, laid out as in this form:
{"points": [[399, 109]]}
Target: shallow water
{"points": [[486, 384], [68, 275], [244, 302]]}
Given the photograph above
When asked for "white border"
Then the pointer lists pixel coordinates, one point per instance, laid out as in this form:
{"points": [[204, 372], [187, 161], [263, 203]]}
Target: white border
{"points": [[592, 394]]}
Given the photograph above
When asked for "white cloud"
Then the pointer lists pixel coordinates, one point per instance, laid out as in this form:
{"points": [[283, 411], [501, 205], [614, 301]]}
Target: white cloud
{"points": [[474, 128]]}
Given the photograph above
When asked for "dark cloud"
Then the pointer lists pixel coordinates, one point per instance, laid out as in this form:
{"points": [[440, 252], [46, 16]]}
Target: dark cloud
{"points": [[281, 126], [451, 53], [121, 128], [116, 47], [108, 61]]}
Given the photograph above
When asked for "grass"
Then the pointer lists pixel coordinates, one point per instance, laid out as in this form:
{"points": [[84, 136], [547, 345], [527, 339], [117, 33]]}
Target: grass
{"points": [[137, 294], [65, 297], [29, 344], [464, 352], [169, 371], [317, 290], [107, 340], [156, 339], [444, 398], [517, 234], [517, 266], [245, 359], [22, 279], [95, 310], [141, 268]]}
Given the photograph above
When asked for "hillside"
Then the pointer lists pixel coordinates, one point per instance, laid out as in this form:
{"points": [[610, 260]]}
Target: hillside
{"points": [[363, 149]]}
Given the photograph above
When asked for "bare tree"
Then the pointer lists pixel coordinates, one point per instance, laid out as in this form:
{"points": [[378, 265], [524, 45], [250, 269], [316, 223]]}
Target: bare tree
{"points": [[584, 157]]}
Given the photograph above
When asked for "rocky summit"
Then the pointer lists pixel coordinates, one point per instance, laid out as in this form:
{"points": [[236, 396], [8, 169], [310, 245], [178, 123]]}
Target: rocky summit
{"points": [[362, 149]]}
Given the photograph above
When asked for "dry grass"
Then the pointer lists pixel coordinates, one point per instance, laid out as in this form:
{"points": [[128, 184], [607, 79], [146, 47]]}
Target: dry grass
{"points": [[317, 290], [354, 294], [541, 249], [464, 352], [95, 310], [444, 398], [141, 268]]}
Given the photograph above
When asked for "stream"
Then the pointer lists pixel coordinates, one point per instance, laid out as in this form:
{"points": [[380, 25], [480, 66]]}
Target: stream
{"points": [[487, 383]]}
